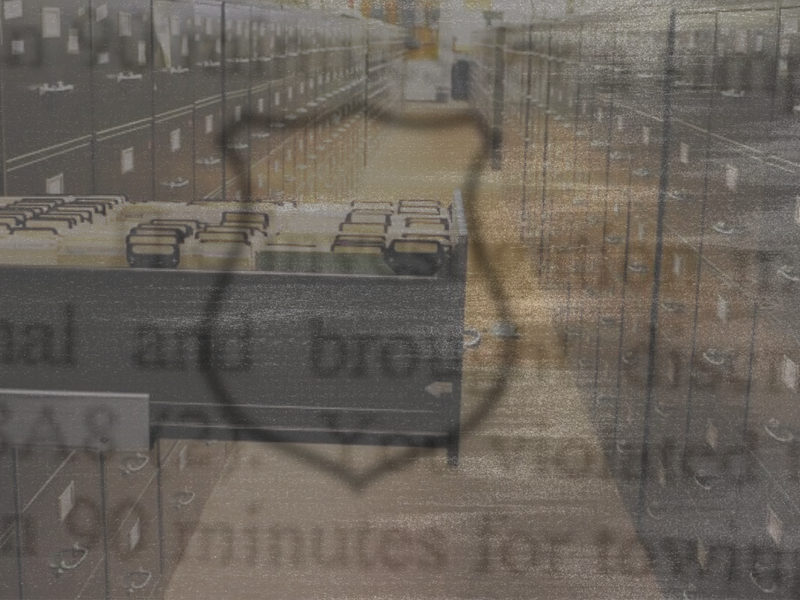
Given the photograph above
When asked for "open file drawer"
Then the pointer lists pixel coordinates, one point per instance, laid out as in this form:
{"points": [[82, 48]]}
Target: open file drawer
{"points": [[274, 356]]}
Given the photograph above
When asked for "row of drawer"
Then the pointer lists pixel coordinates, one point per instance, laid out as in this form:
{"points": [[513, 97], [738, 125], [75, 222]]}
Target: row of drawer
{"points": [[86, 525], [715, 504], [149, 57], [179, 157]]}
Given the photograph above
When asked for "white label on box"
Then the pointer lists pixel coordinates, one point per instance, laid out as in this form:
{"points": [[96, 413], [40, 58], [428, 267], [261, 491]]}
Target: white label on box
{"points": [[620, 123], [183, 458], [209, 123], [712, 435], [185, 46], [785, 47], [125, 25], [17, 46], [175, 140], [722, 309], [73, 47], [142, 53], [261, 180], [731, 177], [12, 9], [51, 22], [789, 373], [684, 153], [103, 58], [277, 98], [126, 160], [66, 501], [101, 12], [774, 526], [741, 41], [175, 25], [600, 115], [237, 113], [677, 264], [55, 184], [261, 105], [134, 535]]}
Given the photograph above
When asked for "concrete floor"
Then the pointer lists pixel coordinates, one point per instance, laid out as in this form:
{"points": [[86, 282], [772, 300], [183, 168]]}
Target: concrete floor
{"points": [[530, 512]]}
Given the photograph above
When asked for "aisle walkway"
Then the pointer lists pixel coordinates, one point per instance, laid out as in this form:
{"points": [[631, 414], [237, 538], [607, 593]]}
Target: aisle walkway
{"points": [[531, 512]]}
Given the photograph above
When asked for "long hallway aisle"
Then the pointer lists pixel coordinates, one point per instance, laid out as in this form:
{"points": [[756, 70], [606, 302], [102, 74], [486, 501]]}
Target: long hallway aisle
{"points": [[530, 512]]}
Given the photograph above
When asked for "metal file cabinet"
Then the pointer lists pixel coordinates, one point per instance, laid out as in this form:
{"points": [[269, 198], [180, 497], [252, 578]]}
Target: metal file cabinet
{"points": [[208, 117], [124, 161], [745, 68], [686, 191], [65, 171], [172, 59], [134, 545], [188, 472], [46, 75], [236, 85], [787, 93], [173, 156], [67, 517], [122, 87]]}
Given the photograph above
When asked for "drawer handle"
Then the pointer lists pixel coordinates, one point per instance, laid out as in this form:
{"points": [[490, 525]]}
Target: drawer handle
{"points": [[129, 76], [259, 135], [715, 357], [63, 566], [209, 161], [704, 480], [723, 228], [637, 267], [178, 183], [131, 466], [239, 146], [135, 587], [238, 60], [176, 70], [788, 272], [772, 428], [209, 63], [184, 499], [767, 589], [59, 87], [474, 338]]}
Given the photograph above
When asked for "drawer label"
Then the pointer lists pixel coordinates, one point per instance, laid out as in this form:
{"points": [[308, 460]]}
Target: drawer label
{"points": [[34, 418]]}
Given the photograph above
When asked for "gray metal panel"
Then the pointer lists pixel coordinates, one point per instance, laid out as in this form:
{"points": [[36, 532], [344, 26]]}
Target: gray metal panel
{"points": [[9, 563], [207, 50], [127, 474], [122, 86], [123, 162], [173, 157], [62, 172], [173, 63], [46, 77], [207, 151], [134, 549]]}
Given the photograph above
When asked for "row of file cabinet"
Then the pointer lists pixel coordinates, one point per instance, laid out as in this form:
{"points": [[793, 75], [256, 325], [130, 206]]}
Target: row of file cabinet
{"points": [[674, 247], [172, 100], [81, 524]]}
